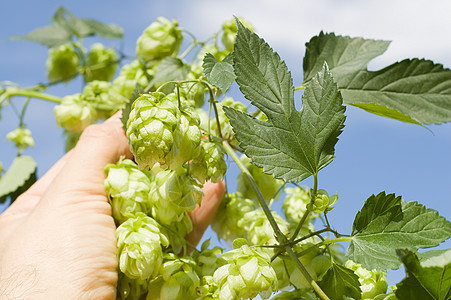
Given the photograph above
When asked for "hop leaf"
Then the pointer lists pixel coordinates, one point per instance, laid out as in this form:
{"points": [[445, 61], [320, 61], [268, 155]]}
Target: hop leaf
{"points": [[162, 38], [139, 242], [128, 189]]}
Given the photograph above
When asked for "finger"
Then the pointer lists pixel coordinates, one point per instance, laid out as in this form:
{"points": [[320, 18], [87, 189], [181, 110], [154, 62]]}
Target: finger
{"points": [[28, 200], [204, 214], [83, 173]]}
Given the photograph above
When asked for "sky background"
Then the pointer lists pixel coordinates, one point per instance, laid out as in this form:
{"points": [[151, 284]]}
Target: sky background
{"points": [[373, 154]]}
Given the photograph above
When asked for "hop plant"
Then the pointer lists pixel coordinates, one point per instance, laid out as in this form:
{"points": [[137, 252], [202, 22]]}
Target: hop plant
{"points": [[258, 229], [267, 184], [226, 128], [101, 63], [150, 129], [231, 210], [372, 283], [177, 279], [21, 137], [229, 32], [74, 113], [208, 260], [62, 63], [295, 295], [104, 97], [174, 193], [209, 164], [131, 75], [294, 206], [324, 203], [128, 189], [218, 54], [131, 289], [162, 38], [139, 242], [248, 273]]}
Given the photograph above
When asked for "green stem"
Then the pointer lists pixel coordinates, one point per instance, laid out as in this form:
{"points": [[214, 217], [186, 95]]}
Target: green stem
{"points": [[22, 114], [326, 242], [12, 91]]}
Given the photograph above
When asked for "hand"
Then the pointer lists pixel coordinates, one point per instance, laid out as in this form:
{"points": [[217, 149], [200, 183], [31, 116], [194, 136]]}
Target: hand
{"points": [[58, 238]]}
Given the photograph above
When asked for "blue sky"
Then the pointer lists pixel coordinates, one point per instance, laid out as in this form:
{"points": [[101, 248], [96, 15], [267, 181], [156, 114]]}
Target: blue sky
{"points": [[374, 154]]}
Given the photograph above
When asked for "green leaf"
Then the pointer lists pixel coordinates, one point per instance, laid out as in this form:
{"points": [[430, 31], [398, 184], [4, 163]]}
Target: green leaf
{"points": [[220, 73], [382, 226], [50, 36], [19, 177], [413, 91], [170, 69], [109, 31], [430, 279], [291, 145], [340, 282]]}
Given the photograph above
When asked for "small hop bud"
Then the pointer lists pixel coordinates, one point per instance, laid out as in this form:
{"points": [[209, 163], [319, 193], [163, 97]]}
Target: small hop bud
{"points": [[62, 63], [104, 97], [102, 63], [131, 75], [22, 138], [209, 164], [177, 279], [150, 129], [230, 31], [74, 113], [231, 210], [267, 184], [248, 273], [174, 193], [324, 203], [128, 189], [139, 242], [372, 283], [162, 38]]}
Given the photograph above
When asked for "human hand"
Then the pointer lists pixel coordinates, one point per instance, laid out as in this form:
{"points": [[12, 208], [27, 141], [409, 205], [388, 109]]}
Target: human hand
{"points": [[58, 238]]}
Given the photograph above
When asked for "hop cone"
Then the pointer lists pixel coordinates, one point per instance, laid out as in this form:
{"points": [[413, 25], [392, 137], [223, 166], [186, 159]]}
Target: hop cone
{"points": [[21, 137], [174, 193], [177, 280], [229, 35], [232, 209], [258, 229], [209, 164], [150, 129], [131, 289], [219, 55], [131, 75], [74, 113], [62, 63], [372, 283], [162, 38], [294, 206], [102, 63], [208, 260], [106, 99], [128, 189], [139, 242], [226, 128], [247, 274], [267, 184]]}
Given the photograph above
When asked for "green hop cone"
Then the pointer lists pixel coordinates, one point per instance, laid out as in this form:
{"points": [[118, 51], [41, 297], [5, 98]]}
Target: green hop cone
{"points": [[128, 189], [150, 129], [104, 97], [162, 38], [324, 203], [209, 164], [226, 128], [174, 193], [294, 206], [229, 32], [248, 273], [207, 290], [231, 210], [219, 55], [74, 113], [177, 279], [372, 283], [21, 137], [267, 184], [62, 63], [258, 229], [101, 62], [130, 289], [139, 243], [131, 75], [296, 295], [208, 260]]}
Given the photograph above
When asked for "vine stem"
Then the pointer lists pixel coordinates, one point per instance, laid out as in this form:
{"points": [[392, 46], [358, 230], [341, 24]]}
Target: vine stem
{"points": [[281, 238], [12, 91]]}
